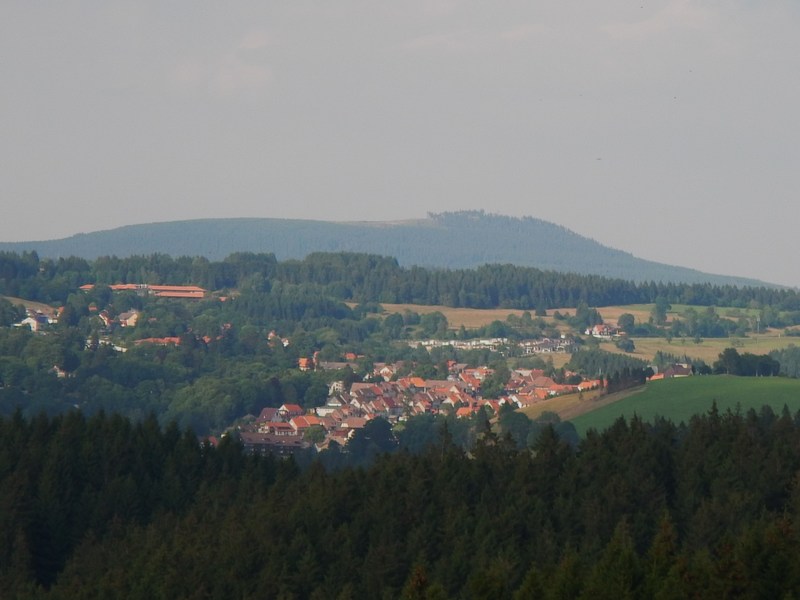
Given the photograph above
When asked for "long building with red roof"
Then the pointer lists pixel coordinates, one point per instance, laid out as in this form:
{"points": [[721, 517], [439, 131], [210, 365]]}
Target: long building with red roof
{"points": [[191, 292]]}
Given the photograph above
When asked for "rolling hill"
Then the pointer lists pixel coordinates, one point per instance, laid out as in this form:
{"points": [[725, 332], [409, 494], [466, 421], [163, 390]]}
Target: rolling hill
{"points": [[448, 240], [679, 399]]}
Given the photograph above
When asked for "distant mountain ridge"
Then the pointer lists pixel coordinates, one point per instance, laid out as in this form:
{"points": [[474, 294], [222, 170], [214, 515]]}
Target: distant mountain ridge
{"points": [[464, 239]]}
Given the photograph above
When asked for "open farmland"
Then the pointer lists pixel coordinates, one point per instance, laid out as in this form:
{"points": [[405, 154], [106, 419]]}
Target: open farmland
{"points": [[708, 349], [728, 312], [470, 318], [570, 406], [611, 314], [41, 307], [679, 399], [642, 312]]}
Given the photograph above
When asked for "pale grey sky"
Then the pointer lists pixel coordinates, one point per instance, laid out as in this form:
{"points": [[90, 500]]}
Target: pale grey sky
{"points": [[666, 128]]}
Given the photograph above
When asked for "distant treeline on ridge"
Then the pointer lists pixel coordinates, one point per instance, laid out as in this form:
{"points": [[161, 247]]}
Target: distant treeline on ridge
{"points": [[370, 278]]}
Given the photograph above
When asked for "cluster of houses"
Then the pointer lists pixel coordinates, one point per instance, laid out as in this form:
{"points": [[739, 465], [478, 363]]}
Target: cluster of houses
{"points": [[285, 430], [130, 318], [38, 319]]}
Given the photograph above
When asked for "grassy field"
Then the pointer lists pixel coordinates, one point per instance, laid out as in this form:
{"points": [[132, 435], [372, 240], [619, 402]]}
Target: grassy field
{"points": [[679, 399], [471, 318], [708, 349], [611, 314], [30, 304], [679, 310], [641, 312]]}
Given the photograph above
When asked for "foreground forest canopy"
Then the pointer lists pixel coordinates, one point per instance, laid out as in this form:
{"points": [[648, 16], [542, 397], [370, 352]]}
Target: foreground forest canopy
{"points": [[103, 508]]}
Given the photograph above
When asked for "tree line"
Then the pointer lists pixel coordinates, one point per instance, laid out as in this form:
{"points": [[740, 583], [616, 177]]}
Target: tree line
{"points": [[102, 507], [370, 278]]}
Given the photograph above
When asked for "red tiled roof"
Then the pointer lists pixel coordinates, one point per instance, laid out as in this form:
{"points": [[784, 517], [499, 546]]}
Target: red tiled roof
{"points": [[163, 341], [169, 294], [267, 414], [543, 382], [305, 422], [163, 291], [176, 288]]}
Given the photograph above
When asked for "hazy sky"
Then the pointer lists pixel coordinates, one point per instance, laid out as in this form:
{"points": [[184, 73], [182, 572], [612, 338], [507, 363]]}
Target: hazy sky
{"points": [[665, 128]]}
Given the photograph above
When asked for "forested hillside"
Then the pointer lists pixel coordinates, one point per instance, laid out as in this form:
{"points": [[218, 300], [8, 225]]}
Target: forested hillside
{"points": [[449, 240], [371, 278], [101, 508], [219, 362]]}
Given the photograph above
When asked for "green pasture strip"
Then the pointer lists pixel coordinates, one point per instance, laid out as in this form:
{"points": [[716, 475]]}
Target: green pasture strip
{"points": [[679, 399]]}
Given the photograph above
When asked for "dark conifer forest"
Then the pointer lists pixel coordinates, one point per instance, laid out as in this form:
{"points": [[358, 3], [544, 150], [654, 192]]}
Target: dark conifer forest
{"points": [[102, 508], [372, 278]]}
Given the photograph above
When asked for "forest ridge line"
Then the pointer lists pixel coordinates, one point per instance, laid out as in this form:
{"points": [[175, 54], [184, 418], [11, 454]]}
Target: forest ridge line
{"points": [[456, 240]]}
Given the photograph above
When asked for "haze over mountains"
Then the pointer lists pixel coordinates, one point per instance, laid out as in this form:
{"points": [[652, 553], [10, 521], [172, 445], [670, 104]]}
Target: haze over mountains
{"points": [[447, 240]]}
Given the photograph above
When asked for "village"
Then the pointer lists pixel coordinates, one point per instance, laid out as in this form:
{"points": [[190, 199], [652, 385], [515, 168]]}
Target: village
{"points": [[391, 391], [289, 428]]}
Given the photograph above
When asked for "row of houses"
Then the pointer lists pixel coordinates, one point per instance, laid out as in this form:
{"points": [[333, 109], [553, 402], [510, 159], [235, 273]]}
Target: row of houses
{"points": [[564, 344], [487, 343], [414, 395]]}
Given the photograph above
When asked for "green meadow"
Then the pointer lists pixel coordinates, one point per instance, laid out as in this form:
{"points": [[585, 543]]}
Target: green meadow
{"points": [[679, 399]]}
